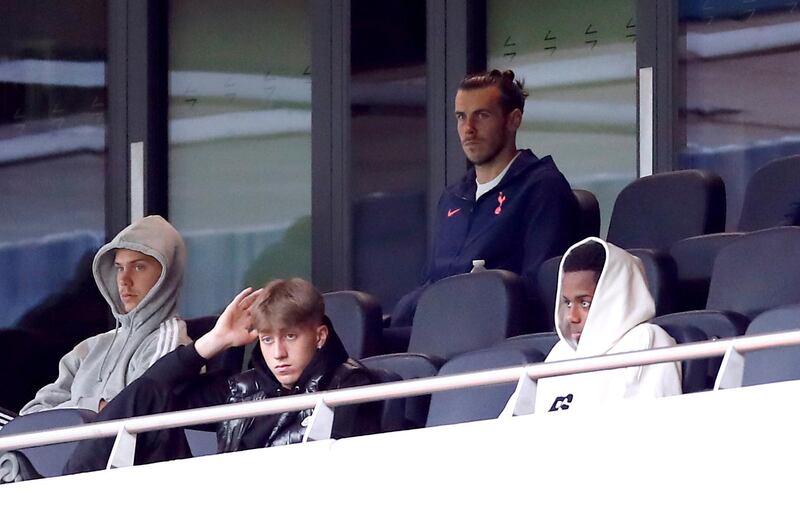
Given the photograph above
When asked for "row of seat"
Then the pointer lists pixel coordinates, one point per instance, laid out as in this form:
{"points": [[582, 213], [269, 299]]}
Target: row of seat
{"points": [[455, 406], [657, 211]]}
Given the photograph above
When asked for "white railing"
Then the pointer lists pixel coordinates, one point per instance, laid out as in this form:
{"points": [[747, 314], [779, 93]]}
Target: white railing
{"points": [[323, 402]]}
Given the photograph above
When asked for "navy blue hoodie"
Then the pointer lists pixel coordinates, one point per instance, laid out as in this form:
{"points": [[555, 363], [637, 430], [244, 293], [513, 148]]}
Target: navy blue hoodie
{"points": [[530, 216]]}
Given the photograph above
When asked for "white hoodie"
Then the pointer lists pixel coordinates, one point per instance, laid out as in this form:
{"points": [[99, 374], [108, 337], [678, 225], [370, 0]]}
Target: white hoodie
{"points": [[101, 366], [616, 323]]}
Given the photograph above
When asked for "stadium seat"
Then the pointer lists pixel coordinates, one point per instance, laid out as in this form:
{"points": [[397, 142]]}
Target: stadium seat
{"points": [[468, 312], [694, 372], [387, 229], [357, 318], [49, 460], [408, 366], [694, 261], [774, 364], [754, 273], [590, 213], [772, 197], [485, 402], [656, 211]]}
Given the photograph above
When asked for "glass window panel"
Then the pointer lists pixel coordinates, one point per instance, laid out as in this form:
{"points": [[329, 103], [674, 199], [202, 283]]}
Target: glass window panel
{"points": [[240, 144], [741, 67], [52, 192], [578, 60], [388, 148]]}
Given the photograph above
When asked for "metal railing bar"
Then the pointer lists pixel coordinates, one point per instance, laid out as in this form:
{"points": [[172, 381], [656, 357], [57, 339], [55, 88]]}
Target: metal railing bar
{"points": [[408, 388]]}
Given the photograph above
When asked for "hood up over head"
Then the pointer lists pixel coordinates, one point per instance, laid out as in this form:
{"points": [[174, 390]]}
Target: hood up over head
{"points": [[621, 302]]}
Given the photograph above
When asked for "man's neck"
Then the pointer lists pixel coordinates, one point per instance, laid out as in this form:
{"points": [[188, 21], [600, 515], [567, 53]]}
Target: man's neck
{"points": [[486, 172]]}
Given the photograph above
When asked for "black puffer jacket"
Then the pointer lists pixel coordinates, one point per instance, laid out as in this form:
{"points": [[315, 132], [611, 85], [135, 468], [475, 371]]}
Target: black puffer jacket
{"points": [[330, 369]]}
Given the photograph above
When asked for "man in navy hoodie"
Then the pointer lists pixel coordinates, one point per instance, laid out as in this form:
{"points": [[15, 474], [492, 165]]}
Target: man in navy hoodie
{"points": [[512, 209]]}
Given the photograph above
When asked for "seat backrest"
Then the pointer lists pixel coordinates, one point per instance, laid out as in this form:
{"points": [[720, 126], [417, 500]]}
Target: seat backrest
{"points": [[408, 366], [484, 402], [774, 364], [467, 312], [393, 411], [49, 460], [386, 234], [659, 268], [590, 213], [656, 211], [757, 272], [772, 197], [698, 325], [357, 318], [695, 376], [694, 262]]}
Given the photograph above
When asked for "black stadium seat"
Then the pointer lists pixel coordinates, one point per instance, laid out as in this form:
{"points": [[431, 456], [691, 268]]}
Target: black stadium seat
{"points": [[772, 197], [754, 273], [590, 213], [408, 366], [468, 312], [656, 211], [774, 364], [484, 402], [357, 318]]}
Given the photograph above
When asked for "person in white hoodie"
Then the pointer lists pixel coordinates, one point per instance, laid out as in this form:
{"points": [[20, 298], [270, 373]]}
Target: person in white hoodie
{"points": [[603, 307], [139, 273]]}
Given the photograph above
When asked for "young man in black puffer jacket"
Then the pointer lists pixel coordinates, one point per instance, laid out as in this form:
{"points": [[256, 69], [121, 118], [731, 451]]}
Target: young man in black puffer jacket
{"points": [[299, 353]]}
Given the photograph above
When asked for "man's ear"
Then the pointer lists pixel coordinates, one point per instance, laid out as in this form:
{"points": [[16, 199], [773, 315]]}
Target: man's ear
{"points": [[322, 335], [514, 120]]}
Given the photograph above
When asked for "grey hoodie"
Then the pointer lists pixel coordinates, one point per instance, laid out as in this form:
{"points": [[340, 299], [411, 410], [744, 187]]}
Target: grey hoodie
{"points": [[101, 366]]}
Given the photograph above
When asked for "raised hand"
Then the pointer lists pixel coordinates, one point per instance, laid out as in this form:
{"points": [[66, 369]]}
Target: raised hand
{"points": [[233, 328]]}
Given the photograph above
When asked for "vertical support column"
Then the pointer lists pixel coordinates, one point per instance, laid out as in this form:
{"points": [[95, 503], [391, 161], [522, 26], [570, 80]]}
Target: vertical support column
{"points": [[656, 36], [137, 111], [330, 152]]}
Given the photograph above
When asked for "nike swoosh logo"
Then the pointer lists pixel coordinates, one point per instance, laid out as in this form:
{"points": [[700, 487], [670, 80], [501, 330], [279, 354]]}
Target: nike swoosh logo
{"points": [[452, 212]]}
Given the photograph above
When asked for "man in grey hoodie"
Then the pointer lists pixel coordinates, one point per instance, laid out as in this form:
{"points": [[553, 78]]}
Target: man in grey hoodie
{"points": [[139, 274]]}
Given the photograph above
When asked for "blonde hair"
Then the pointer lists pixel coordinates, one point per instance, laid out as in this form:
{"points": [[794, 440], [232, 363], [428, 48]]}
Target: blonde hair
{"points": [[286, 303]]}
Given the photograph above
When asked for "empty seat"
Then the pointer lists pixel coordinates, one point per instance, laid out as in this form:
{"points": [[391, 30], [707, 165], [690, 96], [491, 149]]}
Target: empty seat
{"points": [[408, 366], [590, 213], [695, 372], [485, 402], [772, 197], [774, 364], [656, 211], [694, 261], [753, 273], [357, 318], [468, 312], [388, 232]]}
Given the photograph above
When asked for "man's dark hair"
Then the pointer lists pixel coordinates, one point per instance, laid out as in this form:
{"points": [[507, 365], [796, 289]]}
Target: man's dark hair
{"points": [[512, 92], [590, 256]]}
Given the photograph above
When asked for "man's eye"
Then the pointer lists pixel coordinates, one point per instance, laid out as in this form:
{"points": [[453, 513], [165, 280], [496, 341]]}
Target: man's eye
{"points": [[266, 340], [586, 304], [291, 337]]}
